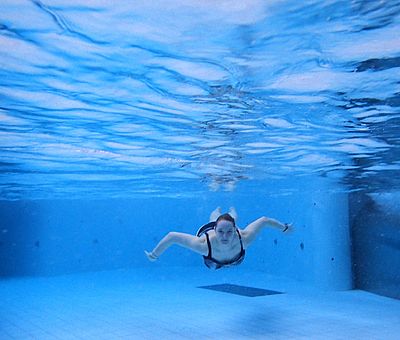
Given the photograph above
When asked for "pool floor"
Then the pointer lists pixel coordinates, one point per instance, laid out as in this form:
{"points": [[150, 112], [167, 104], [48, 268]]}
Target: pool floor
{"points": [[161, 304]]}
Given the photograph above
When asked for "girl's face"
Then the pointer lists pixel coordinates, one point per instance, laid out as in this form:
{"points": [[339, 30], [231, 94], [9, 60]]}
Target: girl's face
{"points": [[225, 232]]}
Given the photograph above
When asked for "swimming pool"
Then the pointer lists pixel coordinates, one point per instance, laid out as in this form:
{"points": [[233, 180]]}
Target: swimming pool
{"points": [[121, 122]]}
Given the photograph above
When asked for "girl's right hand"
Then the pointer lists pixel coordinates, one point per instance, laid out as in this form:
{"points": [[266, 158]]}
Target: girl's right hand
{"points": [[151, 256]]}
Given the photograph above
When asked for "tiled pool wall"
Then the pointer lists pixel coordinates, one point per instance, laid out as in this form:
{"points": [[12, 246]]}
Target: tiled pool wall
{"points": [[51, 237]]}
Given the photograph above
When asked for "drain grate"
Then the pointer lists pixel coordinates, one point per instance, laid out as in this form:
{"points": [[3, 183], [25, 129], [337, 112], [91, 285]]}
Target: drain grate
{"points": [[241, 290]]}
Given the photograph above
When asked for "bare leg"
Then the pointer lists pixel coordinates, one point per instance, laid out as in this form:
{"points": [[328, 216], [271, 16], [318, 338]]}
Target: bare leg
{"points": [[233, 213], [215, 214]]}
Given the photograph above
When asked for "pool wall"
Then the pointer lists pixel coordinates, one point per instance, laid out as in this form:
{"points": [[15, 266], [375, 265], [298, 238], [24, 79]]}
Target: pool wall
{"points": [[375, 226], [53, 237]]}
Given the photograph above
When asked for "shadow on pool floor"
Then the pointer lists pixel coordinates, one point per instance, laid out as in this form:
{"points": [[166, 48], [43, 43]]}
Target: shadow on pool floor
{"points": [[241, 290]]}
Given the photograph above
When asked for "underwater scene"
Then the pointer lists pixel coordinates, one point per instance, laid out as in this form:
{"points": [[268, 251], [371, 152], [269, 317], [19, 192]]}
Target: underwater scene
{"points": [[145, 145]]}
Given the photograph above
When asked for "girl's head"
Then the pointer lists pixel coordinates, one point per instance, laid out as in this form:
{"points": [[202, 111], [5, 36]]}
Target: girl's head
{"points": [[226, 217], [225, 228]]}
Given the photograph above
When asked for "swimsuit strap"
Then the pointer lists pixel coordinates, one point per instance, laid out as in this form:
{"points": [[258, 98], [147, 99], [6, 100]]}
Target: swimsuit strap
{"points": [[209, 246], [205, 228], [240, 239]]}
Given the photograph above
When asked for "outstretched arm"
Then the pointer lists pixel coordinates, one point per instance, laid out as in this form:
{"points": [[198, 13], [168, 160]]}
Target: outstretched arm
{"points": [[191, 242], [253, 229]]}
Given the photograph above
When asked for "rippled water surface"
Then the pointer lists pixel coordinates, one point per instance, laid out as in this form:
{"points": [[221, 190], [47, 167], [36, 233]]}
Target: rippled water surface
{"points": [[124, 98]]}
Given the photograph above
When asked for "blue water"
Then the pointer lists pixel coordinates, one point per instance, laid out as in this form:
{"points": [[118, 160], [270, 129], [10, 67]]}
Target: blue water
{"points": [[121, 99], [121, 121]]}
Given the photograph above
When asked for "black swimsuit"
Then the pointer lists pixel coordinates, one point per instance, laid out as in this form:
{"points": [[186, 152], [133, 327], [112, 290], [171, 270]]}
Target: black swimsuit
{"points": [[212, 263]]}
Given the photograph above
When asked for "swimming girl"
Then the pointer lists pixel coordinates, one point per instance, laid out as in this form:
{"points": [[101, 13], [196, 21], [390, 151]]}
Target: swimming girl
{"points": [[220, 242]]}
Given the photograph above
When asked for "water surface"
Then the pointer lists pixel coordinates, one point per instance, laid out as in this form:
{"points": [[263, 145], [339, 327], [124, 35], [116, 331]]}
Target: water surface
{"points": [[144, 97]]}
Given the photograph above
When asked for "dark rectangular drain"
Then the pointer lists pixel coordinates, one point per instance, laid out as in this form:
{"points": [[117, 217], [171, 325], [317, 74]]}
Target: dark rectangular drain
{"points": [[241, 290]]}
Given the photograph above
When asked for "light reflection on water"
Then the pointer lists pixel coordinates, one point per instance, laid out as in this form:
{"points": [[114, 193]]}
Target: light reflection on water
{"points": [[136, 98]]}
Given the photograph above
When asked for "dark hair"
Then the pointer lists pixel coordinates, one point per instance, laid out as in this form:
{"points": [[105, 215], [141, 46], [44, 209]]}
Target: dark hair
{"points": [[225, 217]]}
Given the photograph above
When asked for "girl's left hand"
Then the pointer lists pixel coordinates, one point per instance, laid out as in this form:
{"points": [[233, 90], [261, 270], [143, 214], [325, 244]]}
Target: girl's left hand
{"points": [[288, 228]]}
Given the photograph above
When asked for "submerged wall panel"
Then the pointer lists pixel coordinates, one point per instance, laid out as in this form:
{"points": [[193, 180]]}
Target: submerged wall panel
{"points": [[376, 242], [318, 251], [64, 236]]}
